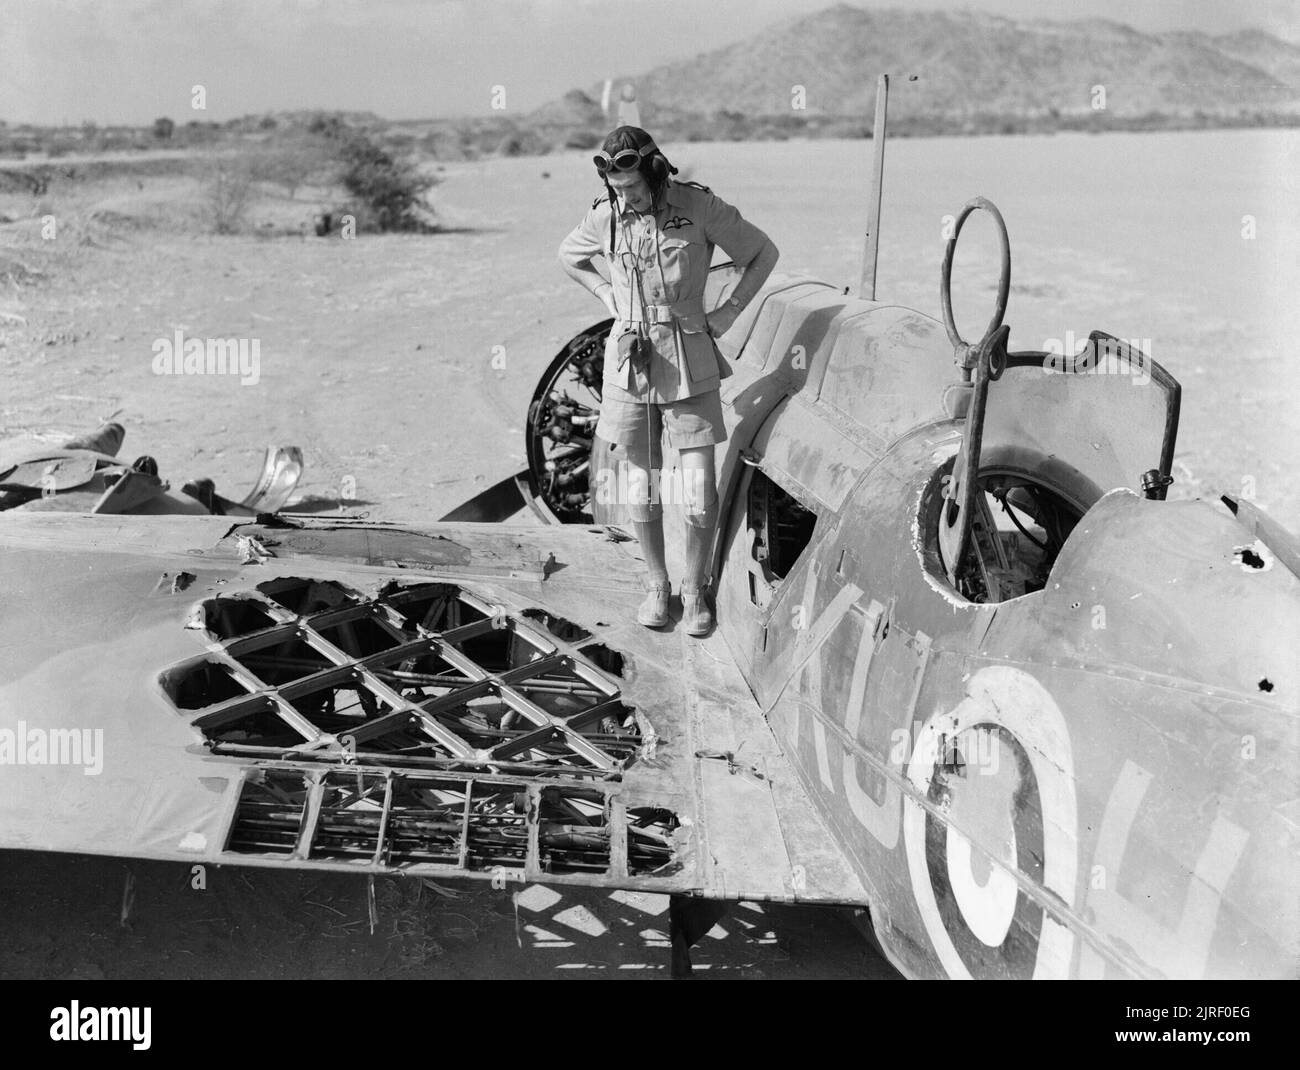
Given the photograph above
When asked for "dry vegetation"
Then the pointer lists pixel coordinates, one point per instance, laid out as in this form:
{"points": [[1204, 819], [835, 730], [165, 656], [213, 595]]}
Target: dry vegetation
{"points": [[268, 180]]}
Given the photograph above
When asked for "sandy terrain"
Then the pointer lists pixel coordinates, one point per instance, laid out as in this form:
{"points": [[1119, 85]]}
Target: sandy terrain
{"points": [[369, 346]]}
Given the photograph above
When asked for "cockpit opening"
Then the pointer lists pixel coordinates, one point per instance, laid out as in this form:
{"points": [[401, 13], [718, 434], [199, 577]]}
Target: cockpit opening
{"points": [[779, 530], [1017, 531]]}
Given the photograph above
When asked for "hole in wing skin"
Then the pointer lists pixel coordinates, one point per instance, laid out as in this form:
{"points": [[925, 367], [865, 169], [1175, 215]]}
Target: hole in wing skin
{"points": [[650, 847], [564, 630], [270, 813], [305, 595], [573, 832], [196, 684], [231, 618], [1248, 558], [399, 820], [420, 674], [608, 660]]}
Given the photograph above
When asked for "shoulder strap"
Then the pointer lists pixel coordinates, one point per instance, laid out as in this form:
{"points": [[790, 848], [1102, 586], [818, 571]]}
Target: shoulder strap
{"points": [[636, 276]]}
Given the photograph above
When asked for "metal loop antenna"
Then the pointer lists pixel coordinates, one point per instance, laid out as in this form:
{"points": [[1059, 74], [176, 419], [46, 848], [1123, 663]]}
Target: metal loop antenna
{"points": [[963, 351]]}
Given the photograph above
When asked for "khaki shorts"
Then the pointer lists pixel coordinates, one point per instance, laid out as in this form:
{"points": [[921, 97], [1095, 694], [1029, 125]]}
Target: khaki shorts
{"points": [[693, 421]]}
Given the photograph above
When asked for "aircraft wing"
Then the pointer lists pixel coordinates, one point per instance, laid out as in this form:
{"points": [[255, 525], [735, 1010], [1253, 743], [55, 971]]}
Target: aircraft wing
{"points": [[454, 699]]}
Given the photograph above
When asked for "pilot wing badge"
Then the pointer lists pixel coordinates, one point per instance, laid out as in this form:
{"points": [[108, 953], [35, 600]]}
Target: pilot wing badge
{"points": [[678, 221]]}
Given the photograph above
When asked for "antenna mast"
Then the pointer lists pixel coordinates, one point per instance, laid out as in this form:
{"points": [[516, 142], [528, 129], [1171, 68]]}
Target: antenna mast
{"points": [[867, 287]]}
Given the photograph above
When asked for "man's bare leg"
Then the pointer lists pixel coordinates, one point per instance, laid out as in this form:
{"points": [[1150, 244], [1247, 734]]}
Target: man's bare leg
{"points": [[648, 521], [700, 494]]}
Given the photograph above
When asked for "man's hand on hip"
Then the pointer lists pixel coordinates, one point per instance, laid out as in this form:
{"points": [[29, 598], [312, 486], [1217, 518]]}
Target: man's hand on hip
{"points": [[720, 320]]}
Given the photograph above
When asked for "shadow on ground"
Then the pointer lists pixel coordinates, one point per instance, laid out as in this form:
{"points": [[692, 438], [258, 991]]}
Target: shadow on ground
{"points": [[64, 919]]}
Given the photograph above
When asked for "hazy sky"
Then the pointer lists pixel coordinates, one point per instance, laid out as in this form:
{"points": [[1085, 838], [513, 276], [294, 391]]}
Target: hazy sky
{"points": [[134, 60]]}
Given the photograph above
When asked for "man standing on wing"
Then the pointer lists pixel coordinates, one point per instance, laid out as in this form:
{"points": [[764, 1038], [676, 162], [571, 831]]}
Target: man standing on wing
{"points": [[662, 368]]}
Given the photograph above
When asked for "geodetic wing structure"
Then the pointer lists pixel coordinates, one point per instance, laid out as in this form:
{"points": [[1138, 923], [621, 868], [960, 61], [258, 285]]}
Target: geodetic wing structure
{"points": [[464, 700]]}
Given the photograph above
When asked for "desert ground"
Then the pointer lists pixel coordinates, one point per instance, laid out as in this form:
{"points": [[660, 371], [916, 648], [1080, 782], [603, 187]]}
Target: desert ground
{"points": [[402, 366]]}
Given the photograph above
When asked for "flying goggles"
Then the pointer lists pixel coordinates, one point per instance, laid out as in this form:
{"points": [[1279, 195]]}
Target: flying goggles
{"points": [[623, 160]]}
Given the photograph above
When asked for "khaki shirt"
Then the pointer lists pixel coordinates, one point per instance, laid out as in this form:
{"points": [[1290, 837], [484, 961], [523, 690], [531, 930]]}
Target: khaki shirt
{"points": [[673, 246]]}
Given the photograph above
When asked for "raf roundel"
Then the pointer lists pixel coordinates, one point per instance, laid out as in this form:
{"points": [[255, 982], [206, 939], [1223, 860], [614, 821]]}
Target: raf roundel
{"points": [[999, 815]]}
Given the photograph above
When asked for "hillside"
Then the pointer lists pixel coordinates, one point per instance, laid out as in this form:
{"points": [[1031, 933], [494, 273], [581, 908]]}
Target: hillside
{"points": [[958, 72], [970, 66]]}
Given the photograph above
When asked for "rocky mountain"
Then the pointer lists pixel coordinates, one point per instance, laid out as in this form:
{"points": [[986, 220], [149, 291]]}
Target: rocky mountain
{"points": [[966, 65]]}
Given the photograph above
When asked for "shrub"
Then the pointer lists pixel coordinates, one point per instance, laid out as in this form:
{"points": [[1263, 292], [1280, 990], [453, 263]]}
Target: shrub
{"points": [[228, 192], [392, 190], [582, 139], [292, 164], [326, 125]]}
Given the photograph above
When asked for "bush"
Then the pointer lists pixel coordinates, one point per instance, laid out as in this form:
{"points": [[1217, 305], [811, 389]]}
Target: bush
{"points": [[392, 190], [292, 164], [326, 125], [228, 194]]}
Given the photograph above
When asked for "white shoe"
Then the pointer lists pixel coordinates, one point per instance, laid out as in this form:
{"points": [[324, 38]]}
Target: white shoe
{"points": [[653, 611], [697, 617]]}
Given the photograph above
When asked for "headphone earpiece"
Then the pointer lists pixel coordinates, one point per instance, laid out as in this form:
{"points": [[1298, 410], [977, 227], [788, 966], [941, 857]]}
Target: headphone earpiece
{"points": [[662, 167], [659, 169]]}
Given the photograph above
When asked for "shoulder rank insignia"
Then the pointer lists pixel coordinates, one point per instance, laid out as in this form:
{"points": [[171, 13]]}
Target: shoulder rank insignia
{"points": [[697, 185]]}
